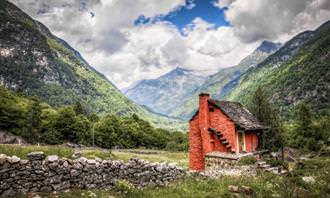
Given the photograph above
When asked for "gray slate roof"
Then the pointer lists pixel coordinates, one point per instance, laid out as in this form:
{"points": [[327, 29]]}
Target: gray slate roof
{"points": [[238, 114]]}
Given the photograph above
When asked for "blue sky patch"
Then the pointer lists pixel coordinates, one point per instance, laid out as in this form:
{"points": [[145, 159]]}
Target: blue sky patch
{"points": [[184, 15]]}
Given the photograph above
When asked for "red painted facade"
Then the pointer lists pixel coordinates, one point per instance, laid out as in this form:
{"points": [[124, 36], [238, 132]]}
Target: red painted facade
{"points": [[212, 130]]}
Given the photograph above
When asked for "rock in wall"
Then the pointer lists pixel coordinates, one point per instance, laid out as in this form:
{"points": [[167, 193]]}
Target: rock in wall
{"points": [[45, 174]]}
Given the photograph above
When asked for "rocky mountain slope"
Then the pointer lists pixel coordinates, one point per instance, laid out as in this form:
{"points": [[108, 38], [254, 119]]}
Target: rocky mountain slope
{"points": [[37, 63], [166, 93], [298, 72], [218, 84]]}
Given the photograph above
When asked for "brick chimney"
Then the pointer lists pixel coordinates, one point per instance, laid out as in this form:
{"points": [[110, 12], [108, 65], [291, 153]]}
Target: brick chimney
{"points": [[204, 122]]}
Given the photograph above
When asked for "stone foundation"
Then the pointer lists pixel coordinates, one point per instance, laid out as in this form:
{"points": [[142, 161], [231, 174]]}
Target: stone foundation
{"points": [[218, 160], [45, 174]]}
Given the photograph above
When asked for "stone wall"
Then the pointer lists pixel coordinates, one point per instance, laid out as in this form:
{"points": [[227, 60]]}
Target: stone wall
{"points": [[45, 174], [219, 162]]}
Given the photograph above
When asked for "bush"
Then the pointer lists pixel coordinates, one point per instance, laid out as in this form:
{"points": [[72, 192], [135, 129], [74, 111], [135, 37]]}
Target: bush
{"points": [[124, 186], [249, 160], [276, 162]]}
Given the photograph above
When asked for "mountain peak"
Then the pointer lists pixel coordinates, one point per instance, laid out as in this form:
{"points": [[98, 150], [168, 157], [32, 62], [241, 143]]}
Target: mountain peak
{"points": [[268, 46]]}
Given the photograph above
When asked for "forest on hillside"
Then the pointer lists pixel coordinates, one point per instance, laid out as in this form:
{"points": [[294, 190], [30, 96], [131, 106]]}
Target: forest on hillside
{"points": [[38, 122]]}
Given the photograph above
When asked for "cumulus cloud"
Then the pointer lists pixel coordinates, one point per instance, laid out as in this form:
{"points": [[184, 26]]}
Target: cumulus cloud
{"points": [[274, 19], [127, 53]]}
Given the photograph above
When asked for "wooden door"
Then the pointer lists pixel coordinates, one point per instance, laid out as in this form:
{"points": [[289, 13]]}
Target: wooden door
{"points": [[241, 141]]}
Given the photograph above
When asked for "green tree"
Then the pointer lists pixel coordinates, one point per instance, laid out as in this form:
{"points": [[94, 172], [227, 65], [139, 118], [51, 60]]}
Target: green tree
{"points": [[82, 130], [34, 124], [310, 133], [65, 123], [106, 131], [78, 108], [264, 110]]}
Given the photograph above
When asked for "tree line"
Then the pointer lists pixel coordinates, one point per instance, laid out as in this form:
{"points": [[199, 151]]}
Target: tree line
{"points": [[307, 131], [37, 122]]}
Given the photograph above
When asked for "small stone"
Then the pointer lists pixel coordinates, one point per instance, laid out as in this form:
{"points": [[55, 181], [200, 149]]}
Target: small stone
{"points": [[36, 155], [3, 159], [233, 188], [52, 158], [65, 164], [308, 179], [82, 159], [14, 159], [23, 162], [74, 173], [91, 162]]}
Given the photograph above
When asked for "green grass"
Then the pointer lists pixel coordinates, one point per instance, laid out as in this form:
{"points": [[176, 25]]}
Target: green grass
{"points": [[22, 151], [181, 158], [263, 185]]}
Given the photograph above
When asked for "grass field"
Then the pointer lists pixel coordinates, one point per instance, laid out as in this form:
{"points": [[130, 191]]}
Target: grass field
{"points": [[262, 185], [180, 158]]}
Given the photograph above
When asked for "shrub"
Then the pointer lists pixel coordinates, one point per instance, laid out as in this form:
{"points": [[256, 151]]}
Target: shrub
{"points": [[124, 186], [248, 160], [276, 162]]}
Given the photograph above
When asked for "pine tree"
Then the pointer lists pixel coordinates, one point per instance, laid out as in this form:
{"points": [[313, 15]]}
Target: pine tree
{"points": [[263, 109], [34, 124]]}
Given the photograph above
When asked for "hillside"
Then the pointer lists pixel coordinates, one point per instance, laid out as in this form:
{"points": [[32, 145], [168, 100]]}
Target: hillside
{"points": [[218, 84], [165, 93], [299, 72], [37, 63]]}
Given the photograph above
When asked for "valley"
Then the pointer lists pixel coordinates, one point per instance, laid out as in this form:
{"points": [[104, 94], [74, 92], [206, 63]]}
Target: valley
{"points": [[132, 109]]}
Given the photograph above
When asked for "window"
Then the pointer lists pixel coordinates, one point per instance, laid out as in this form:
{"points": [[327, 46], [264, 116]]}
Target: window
{"points": [[211, 109]]}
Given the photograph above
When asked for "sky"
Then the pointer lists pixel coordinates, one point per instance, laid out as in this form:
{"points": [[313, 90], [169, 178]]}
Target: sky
{"points": [[131, 40]]}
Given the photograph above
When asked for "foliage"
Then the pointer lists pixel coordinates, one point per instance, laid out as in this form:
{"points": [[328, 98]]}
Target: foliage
{"points": [[277, 162], [263, 109], [124, 186], [38, 122], [309, 132], [248, 160]]}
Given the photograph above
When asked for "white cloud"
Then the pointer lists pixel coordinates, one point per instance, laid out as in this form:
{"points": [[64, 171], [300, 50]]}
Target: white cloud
{"points": [[254, 20], [126, 53]]}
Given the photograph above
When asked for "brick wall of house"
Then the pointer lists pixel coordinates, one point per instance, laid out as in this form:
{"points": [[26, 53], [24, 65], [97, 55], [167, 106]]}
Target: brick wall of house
{"points": [[222, 123], [196, 156]]}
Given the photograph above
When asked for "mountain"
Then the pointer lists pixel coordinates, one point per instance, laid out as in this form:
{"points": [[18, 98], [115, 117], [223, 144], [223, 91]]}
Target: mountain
{"points": [[37, 63], [218, 84], [299, 72], [164, 94]]}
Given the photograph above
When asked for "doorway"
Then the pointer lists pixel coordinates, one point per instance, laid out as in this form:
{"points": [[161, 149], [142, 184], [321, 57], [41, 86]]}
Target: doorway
{"points": [[241, 141]]}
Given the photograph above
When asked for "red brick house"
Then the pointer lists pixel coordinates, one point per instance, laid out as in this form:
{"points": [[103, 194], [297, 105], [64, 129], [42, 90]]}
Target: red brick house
{"points": [[221, 126]]}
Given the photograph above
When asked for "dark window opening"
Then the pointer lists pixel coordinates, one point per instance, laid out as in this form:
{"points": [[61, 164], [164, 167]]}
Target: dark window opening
{"points": [[211, 109]]}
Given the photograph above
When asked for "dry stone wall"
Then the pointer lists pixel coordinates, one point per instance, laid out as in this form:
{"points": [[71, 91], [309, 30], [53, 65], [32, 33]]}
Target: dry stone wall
{"points": [[45, 174]]}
